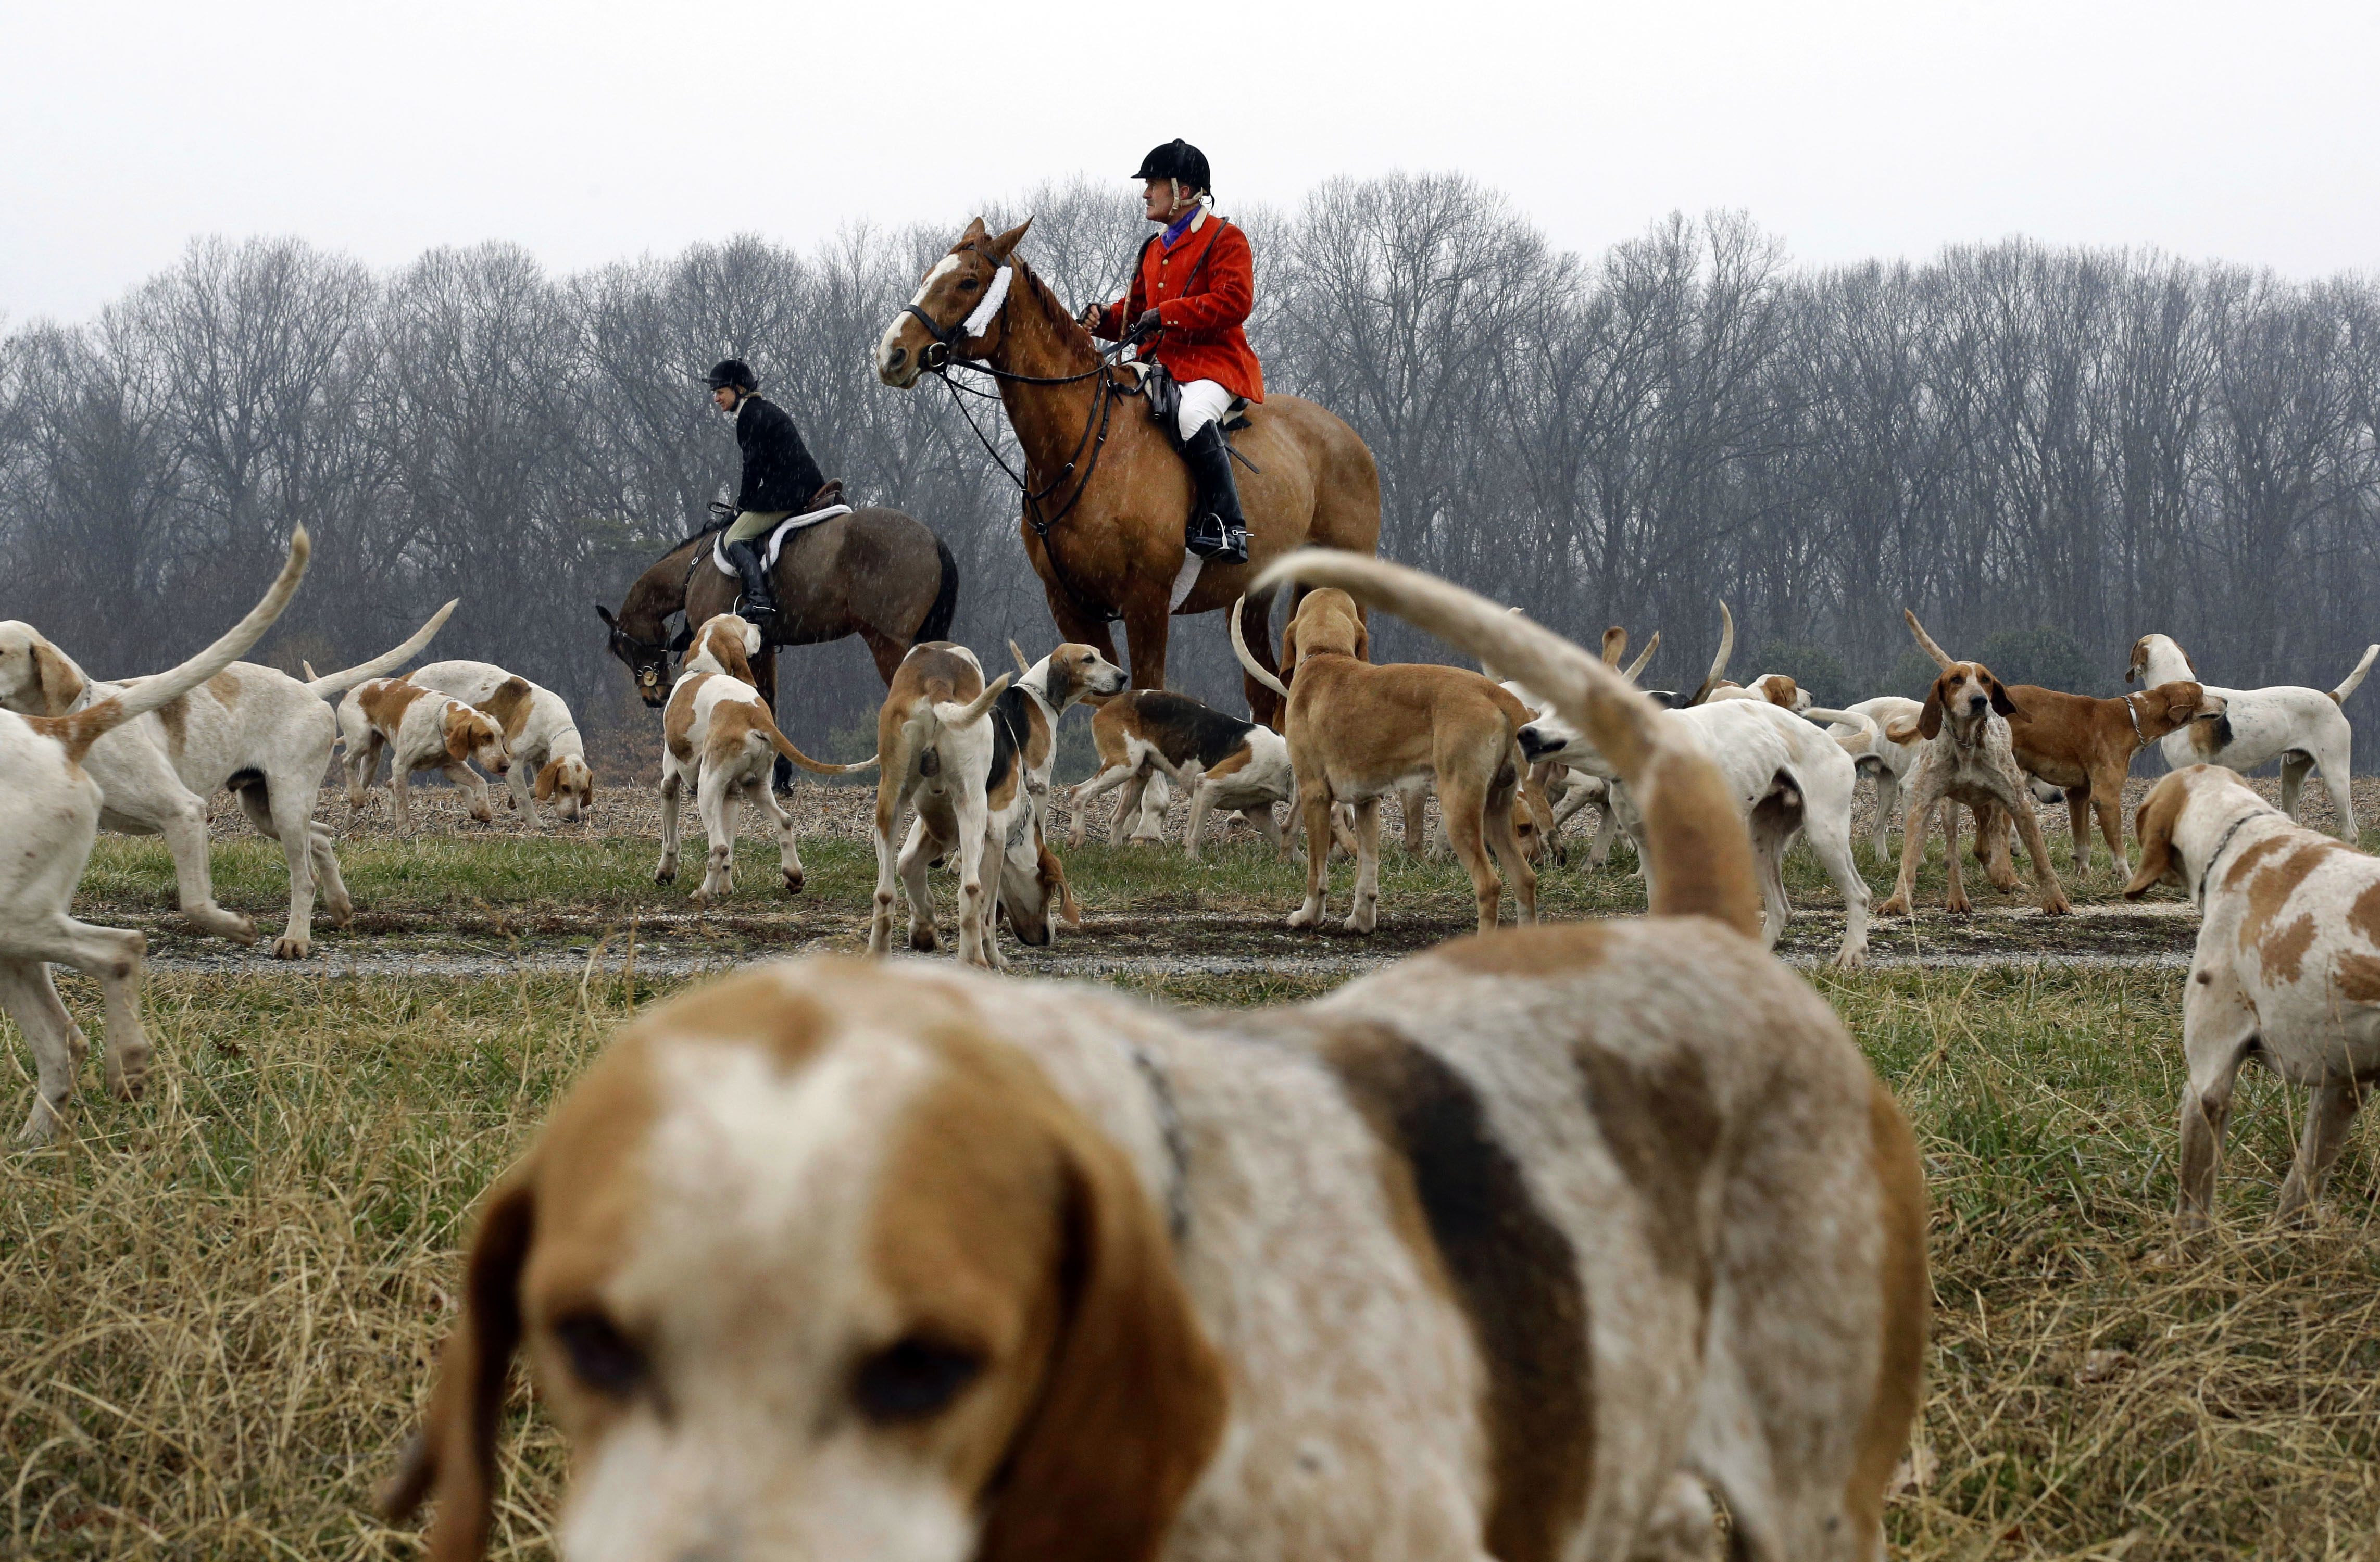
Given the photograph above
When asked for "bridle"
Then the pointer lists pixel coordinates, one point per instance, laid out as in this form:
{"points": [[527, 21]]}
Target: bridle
{"points": [[950, 352]]}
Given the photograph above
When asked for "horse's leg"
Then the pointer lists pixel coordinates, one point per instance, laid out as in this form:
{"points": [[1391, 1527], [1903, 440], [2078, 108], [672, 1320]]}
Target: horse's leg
{"points": [[764, 674], [1145, 625], [887, 653], [1078, 627]]}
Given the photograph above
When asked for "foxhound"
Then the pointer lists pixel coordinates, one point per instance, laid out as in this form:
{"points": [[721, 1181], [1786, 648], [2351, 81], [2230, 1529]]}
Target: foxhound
{"points": [[2083, 748], [1568, 791], [1220, 761], [1786, 776], [2305, 728], [1881, 757], [1357, 732], [2286, 969], [420, 730], [719, 738], [936, 741], [49, 814], [1505, 1250], [1969, 757], [540, 733], [1774, 687], [1028, 879], [253, 729]]}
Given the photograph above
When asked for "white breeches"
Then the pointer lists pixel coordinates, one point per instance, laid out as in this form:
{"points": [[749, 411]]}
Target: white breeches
{"points": [[1203, 401]]}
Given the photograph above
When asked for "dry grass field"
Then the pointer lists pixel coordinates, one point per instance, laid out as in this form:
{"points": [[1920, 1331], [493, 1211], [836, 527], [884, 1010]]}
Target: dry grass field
{"points": [[218, 1305]]}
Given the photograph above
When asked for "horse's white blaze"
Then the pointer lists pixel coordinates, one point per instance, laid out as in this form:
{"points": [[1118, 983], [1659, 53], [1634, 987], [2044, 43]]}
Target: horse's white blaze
{"points": [[942, 267]]}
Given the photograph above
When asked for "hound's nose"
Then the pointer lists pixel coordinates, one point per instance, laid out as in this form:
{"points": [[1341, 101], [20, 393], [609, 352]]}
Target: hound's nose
{"points": [[1976, 702], [1532, 742]]}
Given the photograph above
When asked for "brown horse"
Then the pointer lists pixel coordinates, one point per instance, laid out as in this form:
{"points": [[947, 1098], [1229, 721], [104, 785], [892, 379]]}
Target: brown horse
{"points": [[1106, 495], [876, 573]]}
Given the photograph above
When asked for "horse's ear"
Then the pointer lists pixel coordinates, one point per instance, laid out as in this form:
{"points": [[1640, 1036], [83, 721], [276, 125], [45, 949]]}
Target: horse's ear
{"points": [[605, 614], [1006, 245], [974, 232]]}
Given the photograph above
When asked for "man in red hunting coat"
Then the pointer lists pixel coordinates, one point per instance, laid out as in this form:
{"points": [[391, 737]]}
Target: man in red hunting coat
{"points": [[1195, 284]]}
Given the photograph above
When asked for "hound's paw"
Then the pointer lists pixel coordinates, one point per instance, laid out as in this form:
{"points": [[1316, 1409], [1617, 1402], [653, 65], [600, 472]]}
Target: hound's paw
{"points": [[924, 940], [1304, 917], [343, 910], [1897, 905], [288, 948], [1960, 906], [1850, 959], [793, 881], [665, 876], [2057, 905]]}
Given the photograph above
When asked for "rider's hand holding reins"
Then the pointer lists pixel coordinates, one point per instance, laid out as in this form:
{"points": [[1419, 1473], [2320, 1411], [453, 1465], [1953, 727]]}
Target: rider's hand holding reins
{"points": [[1148, 325]]}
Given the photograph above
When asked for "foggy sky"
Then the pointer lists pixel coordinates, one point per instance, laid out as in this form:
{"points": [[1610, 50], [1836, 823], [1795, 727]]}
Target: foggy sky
{"points": [[591, 132]]}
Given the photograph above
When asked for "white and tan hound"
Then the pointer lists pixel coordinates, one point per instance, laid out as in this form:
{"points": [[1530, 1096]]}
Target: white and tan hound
{"points": [[549, 757], [935, 739], [2286, 969], [420, 730], [1504, 1251], [1220, 761], [718, 740], [253, 729], [1968, 758], [2305, 729], [49, 814]]}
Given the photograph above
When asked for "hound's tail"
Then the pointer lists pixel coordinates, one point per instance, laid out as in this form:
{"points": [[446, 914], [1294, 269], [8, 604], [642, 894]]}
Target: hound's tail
{"points": [[1249, 663], [1700, 857], [86, 726], [1942, 658], [784, 746], [1869, 738], [1638, 666], [331, 685], [1719, 663], [951, 714], [2355, 678]]}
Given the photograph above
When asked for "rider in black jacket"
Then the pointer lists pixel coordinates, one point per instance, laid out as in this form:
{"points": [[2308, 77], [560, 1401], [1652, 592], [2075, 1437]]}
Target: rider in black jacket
{"points": [[780, 479]]}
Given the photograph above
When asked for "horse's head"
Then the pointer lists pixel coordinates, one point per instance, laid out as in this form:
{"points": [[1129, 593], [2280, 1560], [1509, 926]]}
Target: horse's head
{"points": [[648, 659], [957, 307]]}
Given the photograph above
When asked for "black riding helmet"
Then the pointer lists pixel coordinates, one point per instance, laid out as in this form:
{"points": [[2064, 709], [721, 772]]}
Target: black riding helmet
{"points": [[734, 372], [1178, 160]]}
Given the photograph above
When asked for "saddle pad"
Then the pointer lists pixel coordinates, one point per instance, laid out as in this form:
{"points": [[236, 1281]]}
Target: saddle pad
{"points": [[776, 541]]}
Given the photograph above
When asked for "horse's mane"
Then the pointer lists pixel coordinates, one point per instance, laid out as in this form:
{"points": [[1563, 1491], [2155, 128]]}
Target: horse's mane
{"points": [[1071, 331]]}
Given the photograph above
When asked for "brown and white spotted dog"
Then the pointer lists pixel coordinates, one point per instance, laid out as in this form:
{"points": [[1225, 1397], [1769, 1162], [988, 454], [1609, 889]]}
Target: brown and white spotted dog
{"points": [[935, 738], [1357, 732], [549, 757], [1506, 1251], [718, 737], [1029, 878], [421, 730], [1774, 687], [2286, 969], [1968, 758], [1220, 761]]}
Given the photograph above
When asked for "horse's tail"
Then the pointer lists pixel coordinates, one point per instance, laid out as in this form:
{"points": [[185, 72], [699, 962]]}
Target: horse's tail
{"points": [[936, 625], [1699, 855], [330, 686]]}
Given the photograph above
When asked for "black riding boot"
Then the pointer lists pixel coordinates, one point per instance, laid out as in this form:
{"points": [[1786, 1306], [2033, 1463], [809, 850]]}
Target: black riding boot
{"points": [[1217, 530], [760, 603]]}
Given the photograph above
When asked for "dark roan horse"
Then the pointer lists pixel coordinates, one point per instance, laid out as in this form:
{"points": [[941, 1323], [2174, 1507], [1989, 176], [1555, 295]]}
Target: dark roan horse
{"points": [[875, 573]]}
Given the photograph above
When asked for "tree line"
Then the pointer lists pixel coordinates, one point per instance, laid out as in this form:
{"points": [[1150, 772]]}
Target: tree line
{"points": [[2044, 451]]}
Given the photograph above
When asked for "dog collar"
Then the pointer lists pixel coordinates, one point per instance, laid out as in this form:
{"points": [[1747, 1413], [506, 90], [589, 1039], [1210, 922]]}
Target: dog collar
{"points": [[2132, 711], [1177, 1143], [2216, 855]]}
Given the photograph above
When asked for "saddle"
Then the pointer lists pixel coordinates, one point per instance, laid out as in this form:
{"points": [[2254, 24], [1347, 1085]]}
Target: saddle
{"points": [[1164, 396], [825, 505]]}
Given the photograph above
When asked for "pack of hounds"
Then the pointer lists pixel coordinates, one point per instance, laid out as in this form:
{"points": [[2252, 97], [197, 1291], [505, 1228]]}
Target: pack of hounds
{"points": [[1596, 1218]]}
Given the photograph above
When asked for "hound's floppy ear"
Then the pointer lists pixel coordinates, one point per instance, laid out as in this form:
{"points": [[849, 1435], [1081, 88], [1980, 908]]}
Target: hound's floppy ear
{"points": [[459, 735], [2155, 826], [1133, 1399], [2000, 701], [453, 1456], [1006, 245], [1363, 633], [2132, 668], [1929, 721], [547, 779], [59, 684], [1289, 652]]}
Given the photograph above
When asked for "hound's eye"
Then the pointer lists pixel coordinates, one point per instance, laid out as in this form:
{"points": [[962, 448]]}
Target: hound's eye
{"points": [[912, 1379], [604, 1359], [970, 285]]}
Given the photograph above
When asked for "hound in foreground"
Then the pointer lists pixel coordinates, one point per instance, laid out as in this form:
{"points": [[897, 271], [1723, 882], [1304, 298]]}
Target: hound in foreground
{"points": [[253, 729], [49, 814], [936, 742], [718, 738], [1221, 762], [1357, 732], [540, 733], [2305, 728], [1969, 757], [2286, 969], [421, 731], [1505, 1251]]}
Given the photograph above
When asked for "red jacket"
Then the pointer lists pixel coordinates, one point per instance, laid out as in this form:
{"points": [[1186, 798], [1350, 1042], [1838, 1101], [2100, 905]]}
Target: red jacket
{"points": [[1202, 288]]}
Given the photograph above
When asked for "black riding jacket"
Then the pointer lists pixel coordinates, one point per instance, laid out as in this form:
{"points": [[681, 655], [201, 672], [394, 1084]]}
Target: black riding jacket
{"points": [[778, 471]]}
